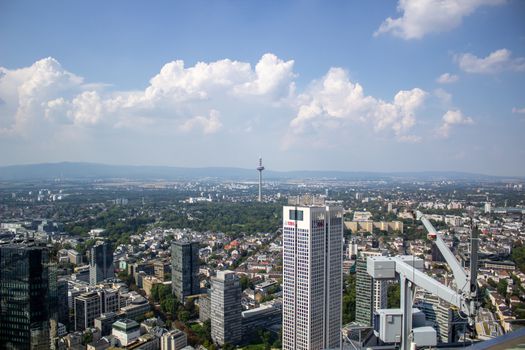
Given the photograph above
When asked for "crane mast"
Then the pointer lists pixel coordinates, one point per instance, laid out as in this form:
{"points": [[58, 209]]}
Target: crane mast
{"points": [[409, 270]]}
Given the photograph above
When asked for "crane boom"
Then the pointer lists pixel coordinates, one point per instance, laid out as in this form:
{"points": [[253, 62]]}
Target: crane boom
{"points": [[462, 280]]}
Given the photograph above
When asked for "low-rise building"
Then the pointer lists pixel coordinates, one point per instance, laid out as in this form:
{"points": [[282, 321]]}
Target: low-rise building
{"points": [[173, 340], [126, 331]]}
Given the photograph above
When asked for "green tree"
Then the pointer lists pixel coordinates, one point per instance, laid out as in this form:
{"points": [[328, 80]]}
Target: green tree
{"points": [[502, 287], [349, 299], [169, 305], [394, 296]]}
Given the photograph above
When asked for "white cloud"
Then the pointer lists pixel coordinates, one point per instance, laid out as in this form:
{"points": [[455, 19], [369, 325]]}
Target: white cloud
{"points": [[447, 78], [271, 75], [86, 108], [518, 110], [444, 97], [209, 125], [25, 90], [495, 62], [335, 101], [451, 118], [45, 92], [421, 17]]}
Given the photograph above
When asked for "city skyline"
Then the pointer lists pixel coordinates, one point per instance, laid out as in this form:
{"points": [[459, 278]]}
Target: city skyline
{"points": [[378, 86]]}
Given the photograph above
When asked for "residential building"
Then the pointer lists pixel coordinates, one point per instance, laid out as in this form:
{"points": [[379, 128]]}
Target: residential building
{"points": [[226, 321], [185, 269], [312, 276]]}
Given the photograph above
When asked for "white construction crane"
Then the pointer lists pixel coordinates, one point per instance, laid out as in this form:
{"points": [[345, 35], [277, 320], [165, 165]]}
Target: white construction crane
{"points": [[409, 271]]}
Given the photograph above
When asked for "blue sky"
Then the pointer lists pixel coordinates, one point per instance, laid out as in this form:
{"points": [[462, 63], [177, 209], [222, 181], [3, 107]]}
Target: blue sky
{"points": [[412, 85]]}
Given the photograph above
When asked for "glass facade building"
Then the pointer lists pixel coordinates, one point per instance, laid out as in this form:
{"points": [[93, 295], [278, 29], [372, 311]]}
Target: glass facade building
{"points": [[185, 269], [101, 263], [27, 297]]}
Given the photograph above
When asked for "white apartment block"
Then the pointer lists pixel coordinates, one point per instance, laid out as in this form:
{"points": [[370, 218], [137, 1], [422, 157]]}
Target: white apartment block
{"points": [[312, 277]]}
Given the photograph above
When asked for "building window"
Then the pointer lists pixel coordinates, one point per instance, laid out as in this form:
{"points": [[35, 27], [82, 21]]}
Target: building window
{"points": [[296, 215]]}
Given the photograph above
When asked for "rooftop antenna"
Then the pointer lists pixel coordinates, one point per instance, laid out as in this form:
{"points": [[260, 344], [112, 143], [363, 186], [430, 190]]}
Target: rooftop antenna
{"points": [[260, 169]]}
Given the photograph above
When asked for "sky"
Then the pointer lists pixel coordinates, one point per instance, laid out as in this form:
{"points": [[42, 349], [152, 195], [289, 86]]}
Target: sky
{"points": [[408, 85]]}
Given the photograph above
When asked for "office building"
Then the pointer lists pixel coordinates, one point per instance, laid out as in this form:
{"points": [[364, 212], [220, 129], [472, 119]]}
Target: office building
{"points": [[109, 299], [443, 316], [26, 302], [160, 269], [136, 308], [185, 269], [105, 322], [226, 321], [126, 331], [173, 340], [101, 263], [205, 306], [312, 275], [87, 307], [371, 295]]}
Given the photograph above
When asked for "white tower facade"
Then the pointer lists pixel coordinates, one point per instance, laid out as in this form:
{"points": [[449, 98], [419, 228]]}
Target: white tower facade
{"points": [[312, 277], [260, 169]]}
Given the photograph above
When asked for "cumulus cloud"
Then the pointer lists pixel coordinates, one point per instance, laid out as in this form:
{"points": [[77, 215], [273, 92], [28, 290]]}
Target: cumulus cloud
{"points": [[447, 78], [451, 118], [209, 125], [176, 92], [271, 75], [495, 62], [335, 101], [25, 90], [421, 17], [518, 110]]}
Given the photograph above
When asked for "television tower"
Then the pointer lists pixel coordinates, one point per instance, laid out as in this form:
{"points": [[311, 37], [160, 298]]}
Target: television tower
{"points": [[260, 169]]}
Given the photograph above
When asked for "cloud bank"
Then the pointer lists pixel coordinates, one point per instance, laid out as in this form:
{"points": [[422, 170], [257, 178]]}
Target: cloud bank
{"points": [[422, 17], [223, 97], [496, 62]]}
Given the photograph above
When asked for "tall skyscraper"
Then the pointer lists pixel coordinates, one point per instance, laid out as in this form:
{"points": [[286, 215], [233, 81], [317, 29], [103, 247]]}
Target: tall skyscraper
{"points": [[101, 263], [185, 269], [226, 318], [312, 276], [27, 306], [370, 294]]}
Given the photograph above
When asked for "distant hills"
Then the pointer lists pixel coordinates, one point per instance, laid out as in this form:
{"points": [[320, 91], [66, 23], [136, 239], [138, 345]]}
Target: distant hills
{"points": [[91, 171]]}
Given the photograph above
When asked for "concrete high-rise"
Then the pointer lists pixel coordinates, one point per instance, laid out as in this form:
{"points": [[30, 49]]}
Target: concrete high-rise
{"points": [[26, 297], [185, 269], [101, 263], [371, 294], [312, 276], [86, 307], [226, 309]]}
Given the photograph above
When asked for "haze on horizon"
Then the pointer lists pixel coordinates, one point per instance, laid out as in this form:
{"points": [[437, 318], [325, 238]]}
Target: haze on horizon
{"points": [[346, 85]]}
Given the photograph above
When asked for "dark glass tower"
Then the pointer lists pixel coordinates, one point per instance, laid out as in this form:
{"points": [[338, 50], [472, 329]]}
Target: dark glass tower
{"points": [[101, 263], [26, 297], [185, 269]]}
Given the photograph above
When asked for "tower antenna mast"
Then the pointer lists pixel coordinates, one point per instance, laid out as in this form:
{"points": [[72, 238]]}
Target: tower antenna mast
{"points": [[260, 169]]}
